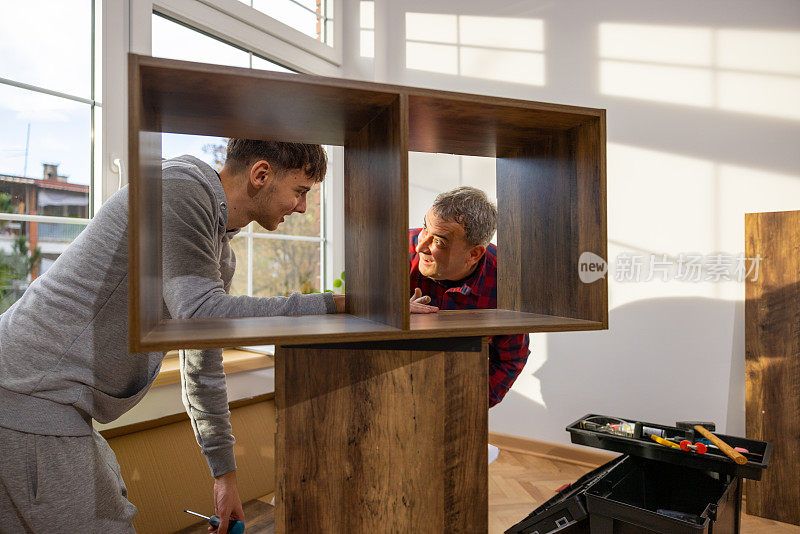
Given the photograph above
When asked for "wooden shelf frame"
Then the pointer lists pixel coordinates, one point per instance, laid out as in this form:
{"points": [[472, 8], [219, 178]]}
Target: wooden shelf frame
{"points": [[551, 186]]}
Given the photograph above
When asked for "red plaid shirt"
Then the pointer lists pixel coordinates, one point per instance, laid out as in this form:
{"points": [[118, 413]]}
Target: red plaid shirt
{"points": [[507, 354]]}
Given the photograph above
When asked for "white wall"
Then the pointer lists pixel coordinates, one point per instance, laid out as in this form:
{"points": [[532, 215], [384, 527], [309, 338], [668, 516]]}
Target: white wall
{"points": [[703, 126]]}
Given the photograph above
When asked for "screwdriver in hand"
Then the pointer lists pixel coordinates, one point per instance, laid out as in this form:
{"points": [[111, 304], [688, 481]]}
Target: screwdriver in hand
{"points": [[234, 526]]}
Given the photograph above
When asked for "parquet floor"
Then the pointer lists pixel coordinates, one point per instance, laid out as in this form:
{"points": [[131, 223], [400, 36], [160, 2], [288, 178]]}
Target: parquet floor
{"points": [[518, 483]]}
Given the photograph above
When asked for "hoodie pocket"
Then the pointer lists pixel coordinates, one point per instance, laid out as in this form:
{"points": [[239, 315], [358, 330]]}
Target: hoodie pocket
{"points": [[105, 408], [32, 468]]}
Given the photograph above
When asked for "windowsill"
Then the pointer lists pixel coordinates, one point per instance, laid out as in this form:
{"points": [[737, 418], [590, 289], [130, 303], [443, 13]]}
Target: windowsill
{"points": [[234, 360]]}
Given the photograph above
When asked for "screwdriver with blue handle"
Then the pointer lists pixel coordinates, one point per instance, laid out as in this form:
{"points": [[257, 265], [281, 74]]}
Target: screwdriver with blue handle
{"points": [[234, 526]]}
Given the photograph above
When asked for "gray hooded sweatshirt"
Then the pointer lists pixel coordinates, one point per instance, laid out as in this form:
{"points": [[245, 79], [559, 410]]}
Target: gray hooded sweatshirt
{"points": [[64, 356]]}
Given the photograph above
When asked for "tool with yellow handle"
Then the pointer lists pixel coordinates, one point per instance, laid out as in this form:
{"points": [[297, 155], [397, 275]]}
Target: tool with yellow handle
{"points": [[664, 442], [724, 447]]}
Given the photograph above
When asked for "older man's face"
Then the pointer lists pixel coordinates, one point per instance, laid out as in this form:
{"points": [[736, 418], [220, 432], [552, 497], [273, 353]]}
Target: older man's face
{"points": [[444, 253]]}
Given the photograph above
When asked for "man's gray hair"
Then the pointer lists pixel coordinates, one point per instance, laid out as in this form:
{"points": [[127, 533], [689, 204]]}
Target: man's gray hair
{"points": [[471, 208]]}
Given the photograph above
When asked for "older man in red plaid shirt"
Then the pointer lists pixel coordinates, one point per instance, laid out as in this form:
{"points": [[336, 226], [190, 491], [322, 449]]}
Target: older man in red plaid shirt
{"points": [[453, 263]]}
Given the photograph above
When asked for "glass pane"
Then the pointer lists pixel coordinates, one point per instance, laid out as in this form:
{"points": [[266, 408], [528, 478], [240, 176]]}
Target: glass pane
{"points": [[305, 224], [265, 64], [45, 154], [239, 284], [293, 15], [206, 148], [28, 250], [48, 43], [175, 41], [282, 266]]}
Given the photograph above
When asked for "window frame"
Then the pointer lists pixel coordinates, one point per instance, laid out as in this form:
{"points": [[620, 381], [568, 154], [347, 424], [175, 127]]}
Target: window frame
{"points": [[127, 27], [96, 112]]}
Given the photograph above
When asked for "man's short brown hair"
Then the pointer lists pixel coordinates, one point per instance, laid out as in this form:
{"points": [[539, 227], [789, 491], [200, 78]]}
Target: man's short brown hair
{"points": [[242, 153]]}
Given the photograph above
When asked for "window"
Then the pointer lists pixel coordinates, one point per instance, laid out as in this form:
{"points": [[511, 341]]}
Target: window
{"points": [[49, 108], [268, 263], [58, 148], [312, 17]]}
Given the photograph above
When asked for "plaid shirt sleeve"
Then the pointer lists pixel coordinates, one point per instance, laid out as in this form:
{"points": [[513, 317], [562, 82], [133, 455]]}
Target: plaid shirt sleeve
{"points": [[507, 357]]}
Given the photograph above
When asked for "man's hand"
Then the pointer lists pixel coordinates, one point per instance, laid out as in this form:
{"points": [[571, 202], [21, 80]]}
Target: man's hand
{"points": [[338, 300], [226, 501], [419, 303]]}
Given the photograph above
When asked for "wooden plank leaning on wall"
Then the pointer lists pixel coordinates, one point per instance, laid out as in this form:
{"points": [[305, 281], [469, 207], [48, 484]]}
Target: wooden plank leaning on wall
{"points": [[772, 360]]}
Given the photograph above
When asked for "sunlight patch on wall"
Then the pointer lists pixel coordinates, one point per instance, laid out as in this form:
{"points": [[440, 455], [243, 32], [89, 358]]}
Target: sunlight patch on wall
{"points": [[737, 70], [759, 51], [432, 57], [491, 48], [367, 25], [677, 85], [759, 94], [675, 45], [501, 32], [528, 384], [432, 28], [503, 66]]}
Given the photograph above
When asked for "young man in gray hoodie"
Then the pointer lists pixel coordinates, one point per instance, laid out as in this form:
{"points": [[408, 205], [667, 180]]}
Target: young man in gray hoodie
{"points": [[64, 356]]}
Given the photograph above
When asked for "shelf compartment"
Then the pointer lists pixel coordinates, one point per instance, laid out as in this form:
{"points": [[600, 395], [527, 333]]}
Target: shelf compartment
{"points": [[550, 183]]}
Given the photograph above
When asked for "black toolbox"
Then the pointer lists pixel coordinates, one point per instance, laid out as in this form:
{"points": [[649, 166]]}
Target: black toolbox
{"points": [[564, 513], [652, 488]]}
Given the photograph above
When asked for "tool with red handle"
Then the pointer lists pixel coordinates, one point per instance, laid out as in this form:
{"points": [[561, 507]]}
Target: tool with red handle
{"points": [[699, 448]]}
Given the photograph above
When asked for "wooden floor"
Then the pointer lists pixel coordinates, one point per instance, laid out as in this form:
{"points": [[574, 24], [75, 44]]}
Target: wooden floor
{"points": [[518, 483]]}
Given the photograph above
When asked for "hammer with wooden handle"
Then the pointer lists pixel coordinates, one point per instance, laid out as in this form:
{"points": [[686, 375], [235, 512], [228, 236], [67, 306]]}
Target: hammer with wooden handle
{"points": [[724, 447]]}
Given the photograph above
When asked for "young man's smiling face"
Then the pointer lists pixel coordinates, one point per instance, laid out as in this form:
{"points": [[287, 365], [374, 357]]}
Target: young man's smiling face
{"points": [[444, 253], [284, 194]]}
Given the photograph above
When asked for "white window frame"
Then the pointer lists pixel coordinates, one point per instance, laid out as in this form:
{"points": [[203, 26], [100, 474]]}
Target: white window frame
{"points": [[127, 27], [96, 111]]}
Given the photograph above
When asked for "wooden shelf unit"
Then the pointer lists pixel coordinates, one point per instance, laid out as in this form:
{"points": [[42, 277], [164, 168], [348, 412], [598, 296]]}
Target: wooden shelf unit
{"points": [[382, 417], [550, 186]]}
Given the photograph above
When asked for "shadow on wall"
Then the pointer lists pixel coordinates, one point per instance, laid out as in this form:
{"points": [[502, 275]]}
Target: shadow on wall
{"points": [[663, 360]]}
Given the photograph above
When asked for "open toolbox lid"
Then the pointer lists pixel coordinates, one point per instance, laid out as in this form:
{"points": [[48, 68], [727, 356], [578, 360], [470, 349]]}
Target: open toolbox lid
{"points": [[713, 460], [567, 507]]}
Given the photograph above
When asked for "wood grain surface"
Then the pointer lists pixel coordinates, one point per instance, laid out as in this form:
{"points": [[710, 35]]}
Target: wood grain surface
{"points": [[376, 440], [376, 218], [338, 328], [551, 195], [203, 99], [588, 142], [144, 214], [458, 125], [772, 361], [535, 229]]}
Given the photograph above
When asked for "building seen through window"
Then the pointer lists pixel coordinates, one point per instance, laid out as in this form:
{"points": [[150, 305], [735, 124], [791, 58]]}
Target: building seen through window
{"points": [[28, 248]]}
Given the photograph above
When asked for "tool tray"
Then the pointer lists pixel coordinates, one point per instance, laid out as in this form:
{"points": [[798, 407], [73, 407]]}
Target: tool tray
{"points": [[642, 446]]}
